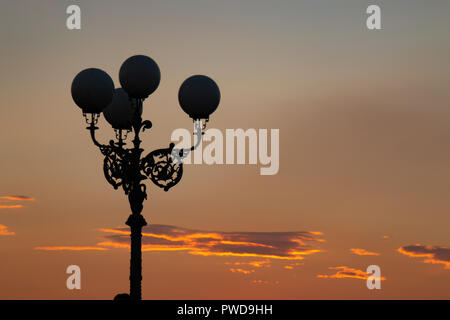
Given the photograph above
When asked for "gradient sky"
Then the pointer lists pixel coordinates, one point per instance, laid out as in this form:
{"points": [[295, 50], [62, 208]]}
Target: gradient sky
{"points": [[364, 151]]}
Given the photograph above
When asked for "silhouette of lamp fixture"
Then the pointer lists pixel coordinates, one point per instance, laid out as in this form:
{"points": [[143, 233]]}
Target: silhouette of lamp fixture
{"points": [[93, 91]]}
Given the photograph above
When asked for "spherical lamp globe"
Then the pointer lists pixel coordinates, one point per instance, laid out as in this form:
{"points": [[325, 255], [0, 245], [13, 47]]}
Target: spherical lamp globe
{"points": [[119, 113], [139, 76], [92, 90], [199, 96]]}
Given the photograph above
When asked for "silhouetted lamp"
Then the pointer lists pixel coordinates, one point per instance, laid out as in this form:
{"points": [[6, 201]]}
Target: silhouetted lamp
{"points": [[199, 97], [139, 76], [119, 114], [93, 91]]}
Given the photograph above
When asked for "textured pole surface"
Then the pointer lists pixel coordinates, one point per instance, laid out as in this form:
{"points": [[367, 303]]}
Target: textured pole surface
{"points": [[136, 198], [136, 222]]}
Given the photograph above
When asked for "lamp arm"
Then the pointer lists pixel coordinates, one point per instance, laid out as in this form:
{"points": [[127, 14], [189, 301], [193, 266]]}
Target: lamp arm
{"points": [[115, 163], [105, 148], [180, 154], [92, 129], [91, 120]]}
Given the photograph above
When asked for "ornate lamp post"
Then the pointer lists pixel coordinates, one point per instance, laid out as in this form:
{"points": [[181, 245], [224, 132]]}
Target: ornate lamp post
{"points": [[93, 91]]}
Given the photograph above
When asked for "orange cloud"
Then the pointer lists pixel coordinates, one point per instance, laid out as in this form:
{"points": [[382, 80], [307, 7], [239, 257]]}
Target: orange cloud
{"points": [[144, 247], [70, 248], [9, 199], [363, 252], [265, 282], [347, 272], [239, 270], [17, 198], [266, 245], [262, 245], [433, 254], [4, 231], [256, 264], [250, 264], [260, 281], [254, 255], [10, 206], [293, 265]]}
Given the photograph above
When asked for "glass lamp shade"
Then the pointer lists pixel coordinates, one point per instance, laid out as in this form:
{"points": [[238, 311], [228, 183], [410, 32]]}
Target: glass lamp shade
{"points": [[199, 97], [120, 111], [92, 90], [139, 76]]}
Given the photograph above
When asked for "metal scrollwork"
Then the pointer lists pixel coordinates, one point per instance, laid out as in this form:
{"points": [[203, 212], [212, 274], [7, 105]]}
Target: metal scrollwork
{"points": [[122, 167], [115, 166], [159, 166]]}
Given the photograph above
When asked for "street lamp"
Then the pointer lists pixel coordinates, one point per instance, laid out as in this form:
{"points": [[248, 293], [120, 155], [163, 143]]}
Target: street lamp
{"points": [[93, 91]]}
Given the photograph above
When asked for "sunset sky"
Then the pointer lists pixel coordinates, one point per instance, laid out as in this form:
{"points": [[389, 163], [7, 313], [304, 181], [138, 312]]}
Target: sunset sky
{"points": [[364, 177]]}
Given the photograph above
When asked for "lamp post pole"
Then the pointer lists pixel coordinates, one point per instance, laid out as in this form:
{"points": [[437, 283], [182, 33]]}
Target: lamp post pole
{"points": [[136, 221], [93, 91]]}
